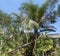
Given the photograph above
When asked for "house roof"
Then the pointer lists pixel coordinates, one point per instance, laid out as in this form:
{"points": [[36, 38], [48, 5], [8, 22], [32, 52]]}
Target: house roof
{"points": [[54, 35]]}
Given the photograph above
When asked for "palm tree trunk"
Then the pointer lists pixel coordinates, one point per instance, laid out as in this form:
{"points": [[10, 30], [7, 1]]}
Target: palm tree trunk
{"points": [[29, 49]]}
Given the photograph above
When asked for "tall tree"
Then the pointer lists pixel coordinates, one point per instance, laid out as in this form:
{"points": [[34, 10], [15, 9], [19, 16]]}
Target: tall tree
{"points": [[38, 17], [33, 19]]}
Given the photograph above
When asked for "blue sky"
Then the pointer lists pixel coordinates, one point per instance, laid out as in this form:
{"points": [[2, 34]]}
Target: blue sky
{"points": [[13, 5], [10, 6]]}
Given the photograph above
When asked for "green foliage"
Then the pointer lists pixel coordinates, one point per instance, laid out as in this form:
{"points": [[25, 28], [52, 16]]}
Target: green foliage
{"points": [[33, 11], [43, 44], [34, 18]]}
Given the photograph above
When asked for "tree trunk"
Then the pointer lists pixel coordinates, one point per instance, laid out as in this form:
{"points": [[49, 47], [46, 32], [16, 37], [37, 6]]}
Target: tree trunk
{"points": [[29, 49]]}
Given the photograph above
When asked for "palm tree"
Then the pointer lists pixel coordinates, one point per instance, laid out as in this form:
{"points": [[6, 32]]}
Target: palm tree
{"points": [[36, 18]]}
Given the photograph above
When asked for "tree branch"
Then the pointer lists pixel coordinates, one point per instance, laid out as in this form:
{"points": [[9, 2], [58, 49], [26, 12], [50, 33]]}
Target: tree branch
{"points": [[21, 46]]}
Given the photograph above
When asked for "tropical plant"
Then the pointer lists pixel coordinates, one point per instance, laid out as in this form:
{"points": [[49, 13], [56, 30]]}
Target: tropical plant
{"points": [[22, 32], [38, 17]]}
